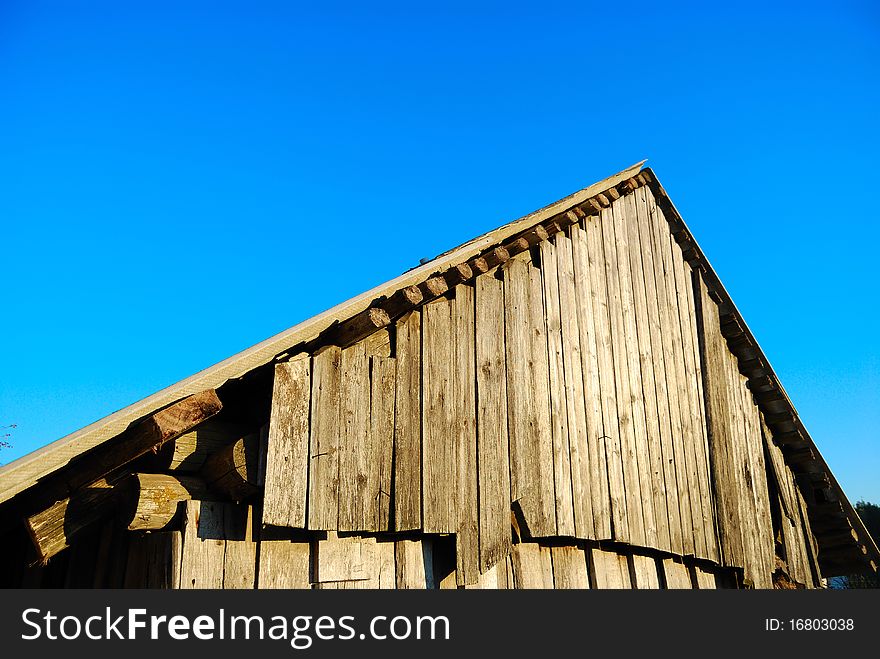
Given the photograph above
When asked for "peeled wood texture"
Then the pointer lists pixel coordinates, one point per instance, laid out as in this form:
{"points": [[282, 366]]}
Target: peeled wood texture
{"points": [[407, 425], [492, 432], [287, 457], [324, 441], [157, 498], [218, 547]]}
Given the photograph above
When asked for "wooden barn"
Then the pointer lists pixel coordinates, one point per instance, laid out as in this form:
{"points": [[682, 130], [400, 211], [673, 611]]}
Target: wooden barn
{"points": [[569, 401]]}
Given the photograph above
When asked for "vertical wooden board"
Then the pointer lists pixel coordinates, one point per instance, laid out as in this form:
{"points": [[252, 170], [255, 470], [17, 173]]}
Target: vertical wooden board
{"points": [[204, 545], [557, 398], [492, 442], [678, 401], [704, 579], [644, 572], [653, 273], [575, 400], [413, 564], [702, 520], [518, 349], [354, 441], [345, 558], [378, 344], [569, 568], [720, 427], [598, 373], [524, 434], [545, 524], [610, 570], [467, 542], [678, 577], [383, 375], [759, 488], [438, 419], [489, 580], [386, 578], [532, 566], [284, 563], [636, 217], [324, 441], [287, 458], [80, 569], [624, 396], [240, 559], [812, 548], [622, 210], [408, 424], [710, 531]]}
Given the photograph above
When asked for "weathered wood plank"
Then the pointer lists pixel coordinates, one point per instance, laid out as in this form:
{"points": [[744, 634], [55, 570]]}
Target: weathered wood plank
{"points": [[653, 273], [285, 560], [187, 453], [678, 577], [204, 545], [408, 425], [345, 558], [413, 564], [622, 210], [644, 572], [720, 427], [610, 570], [558, 406], [467, 543], [569, 568], [589, 277], [582, 469], [674, 362], [324, 440], [438, 419], [532, 566], [383, 376], [287, 454], [355, 454], [240, 558], [153, 560], [636, 217], [493, 476], [693, 420], [543, 485], [624, 395], [704, 579]]}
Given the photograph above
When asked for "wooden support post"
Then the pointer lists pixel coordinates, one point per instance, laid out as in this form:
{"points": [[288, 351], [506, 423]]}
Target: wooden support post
{"points": [[403, 300], [358, 327], [233, 469], [53, 528], [157, 496]]}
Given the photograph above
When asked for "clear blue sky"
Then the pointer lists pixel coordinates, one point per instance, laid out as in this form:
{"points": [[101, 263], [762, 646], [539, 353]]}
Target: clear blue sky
{"points": [[177, 184]]}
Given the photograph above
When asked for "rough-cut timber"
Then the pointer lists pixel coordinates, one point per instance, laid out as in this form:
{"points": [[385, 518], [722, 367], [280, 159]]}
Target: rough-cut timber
{"points": [[157, 498], [324, 441], [233, 471], [287, 458], [407, 474]]}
